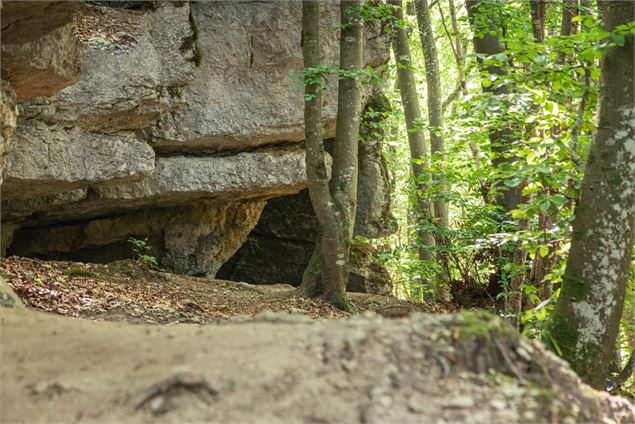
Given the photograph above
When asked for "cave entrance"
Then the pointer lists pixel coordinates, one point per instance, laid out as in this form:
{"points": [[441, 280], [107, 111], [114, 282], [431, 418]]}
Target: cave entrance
{"points": [[279, 247]]}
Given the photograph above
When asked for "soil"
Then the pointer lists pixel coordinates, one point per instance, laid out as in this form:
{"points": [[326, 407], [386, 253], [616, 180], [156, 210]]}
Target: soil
{"points": [[227, 356], [285, 368], [126, 291]]}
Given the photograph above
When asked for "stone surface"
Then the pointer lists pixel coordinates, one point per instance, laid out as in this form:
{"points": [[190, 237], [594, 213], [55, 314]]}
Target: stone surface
{"points": [[8, 298], [131, 66], [175, 181], [374, 217], [172, 106], [9, 116], [41, 53], [49, 159], [195, 239], [367, 273], [244, 93], [280, 368]]}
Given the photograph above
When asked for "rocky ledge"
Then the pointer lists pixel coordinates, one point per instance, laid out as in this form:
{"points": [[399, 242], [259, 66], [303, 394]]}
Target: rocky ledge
{"points": [[171, 121]]}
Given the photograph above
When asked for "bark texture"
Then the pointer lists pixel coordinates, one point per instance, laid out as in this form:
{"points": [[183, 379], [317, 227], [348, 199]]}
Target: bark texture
{"points": [[487, 42], [435, 100], [538, 13], [586, 319], [334, 203], [416, 138]]}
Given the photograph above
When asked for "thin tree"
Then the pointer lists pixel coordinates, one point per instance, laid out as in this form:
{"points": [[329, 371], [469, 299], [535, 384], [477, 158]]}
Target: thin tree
{"points": [[435, 101], [587, 315], [416, 138], [334, 203], [538, 10], [487, 43]]}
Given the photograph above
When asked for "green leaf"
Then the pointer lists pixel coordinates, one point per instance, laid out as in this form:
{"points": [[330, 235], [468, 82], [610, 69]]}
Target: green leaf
{"points": [[512, 182], [543, 250], [619, 39], [544, 205]]}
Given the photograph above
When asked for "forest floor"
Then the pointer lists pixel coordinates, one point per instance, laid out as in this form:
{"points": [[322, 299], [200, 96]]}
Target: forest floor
{"points": [[125, 291], [263, 355]]}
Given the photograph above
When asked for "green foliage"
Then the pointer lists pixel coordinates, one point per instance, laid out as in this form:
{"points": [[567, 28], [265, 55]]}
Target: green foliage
{"points": [[317, 77], [544, 96], [142, 253]]}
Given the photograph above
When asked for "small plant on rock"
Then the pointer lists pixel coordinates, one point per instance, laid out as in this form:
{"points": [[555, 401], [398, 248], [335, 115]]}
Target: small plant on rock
{"points": [[142, 253]]}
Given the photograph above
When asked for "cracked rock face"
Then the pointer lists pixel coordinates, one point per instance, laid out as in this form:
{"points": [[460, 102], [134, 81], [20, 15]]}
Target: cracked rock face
{"points": [[9, 116], [250, 52], [131, 110], [49, 159], [40, 52]]}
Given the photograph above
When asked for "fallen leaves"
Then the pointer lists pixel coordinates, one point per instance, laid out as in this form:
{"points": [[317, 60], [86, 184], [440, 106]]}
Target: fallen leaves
{"points": [[124, 291]]}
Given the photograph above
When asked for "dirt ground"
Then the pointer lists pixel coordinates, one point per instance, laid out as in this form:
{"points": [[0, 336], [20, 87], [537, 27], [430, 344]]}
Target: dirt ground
{"points": [[236, 353], [285, 368], [124, 291]]}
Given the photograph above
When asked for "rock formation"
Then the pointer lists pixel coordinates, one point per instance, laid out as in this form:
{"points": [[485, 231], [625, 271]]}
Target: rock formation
{"points": [[171, 121], [278, 250]]}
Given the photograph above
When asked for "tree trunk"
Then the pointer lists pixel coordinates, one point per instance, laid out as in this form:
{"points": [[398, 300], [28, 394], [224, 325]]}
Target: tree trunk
{"points": [[538, 12], [501, 140], [460, 49], [508, 199], [437, 145], [587, 316], [334, 203], [435, 98], [416, 137], [569, 11]]}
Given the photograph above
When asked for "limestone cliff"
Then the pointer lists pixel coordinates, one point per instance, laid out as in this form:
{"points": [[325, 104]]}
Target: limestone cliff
{"points": [[172, 121]]}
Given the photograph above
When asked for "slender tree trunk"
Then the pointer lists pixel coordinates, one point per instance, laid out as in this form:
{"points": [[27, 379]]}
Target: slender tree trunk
{"points": [[435, 98], [486, 42], [437, 145], [460, 49], [416, 138], [318, 274], [489, 44], [538, 13], [334, 203], [349, 108], [587, 316], [569, 11]]}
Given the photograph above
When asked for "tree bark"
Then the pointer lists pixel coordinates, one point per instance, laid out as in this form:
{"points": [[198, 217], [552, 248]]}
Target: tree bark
{"points": [[587, 315], [489, 44], [437, 144], [569, 11], [460, 49], [334, 203], [416, 139], [435, 98], [538, 12]]}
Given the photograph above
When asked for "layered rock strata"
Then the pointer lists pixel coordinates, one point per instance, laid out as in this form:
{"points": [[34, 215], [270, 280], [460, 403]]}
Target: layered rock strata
{"points": [[172, 121]]}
